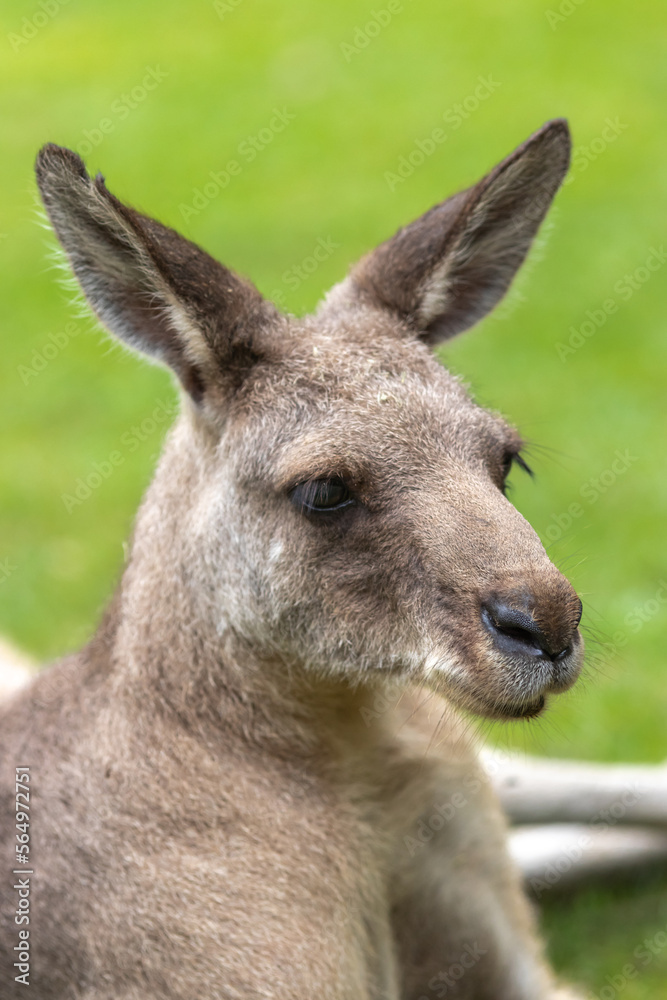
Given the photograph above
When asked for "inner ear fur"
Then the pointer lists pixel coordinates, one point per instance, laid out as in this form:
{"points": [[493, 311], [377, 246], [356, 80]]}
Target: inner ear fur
{"points": [[155, 290], [449, 268]]}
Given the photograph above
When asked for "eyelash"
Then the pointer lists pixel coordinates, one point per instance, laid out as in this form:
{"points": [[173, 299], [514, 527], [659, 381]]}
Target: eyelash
{"points": [[514, 458]]}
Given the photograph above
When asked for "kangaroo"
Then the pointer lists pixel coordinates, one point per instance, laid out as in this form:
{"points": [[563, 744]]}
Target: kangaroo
{"points": [[256, 780]]}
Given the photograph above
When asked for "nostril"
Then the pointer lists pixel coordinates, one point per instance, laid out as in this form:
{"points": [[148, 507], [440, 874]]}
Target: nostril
{"points": [[517, 631], [563, 653], [518, 627]]}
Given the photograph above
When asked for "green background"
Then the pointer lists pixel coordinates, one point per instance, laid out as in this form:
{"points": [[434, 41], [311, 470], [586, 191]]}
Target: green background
{"points": [[360, 98]]}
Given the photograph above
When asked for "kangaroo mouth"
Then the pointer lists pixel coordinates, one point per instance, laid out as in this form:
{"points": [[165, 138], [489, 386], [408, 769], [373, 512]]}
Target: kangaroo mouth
{"points": [[505, 687], [525, 710], [504, 710], [502, 707]]}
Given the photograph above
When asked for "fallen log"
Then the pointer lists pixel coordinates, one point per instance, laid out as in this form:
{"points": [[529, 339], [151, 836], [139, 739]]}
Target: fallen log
{"points": [[533, 790], [561, 856]]}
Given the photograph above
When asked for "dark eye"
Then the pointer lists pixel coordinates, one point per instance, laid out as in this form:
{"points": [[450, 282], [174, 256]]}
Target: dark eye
{"points": [[318, 495]]}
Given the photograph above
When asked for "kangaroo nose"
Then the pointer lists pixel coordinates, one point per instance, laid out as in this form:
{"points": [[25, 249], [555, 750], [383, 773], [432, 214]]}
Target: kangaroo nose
{"points": [[516, 631]]}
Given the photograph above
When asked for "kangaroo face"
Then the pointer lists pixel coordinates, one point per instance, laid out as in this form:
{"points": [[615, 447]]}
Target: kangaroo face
{"points": [[349, 506], [369, 525]]}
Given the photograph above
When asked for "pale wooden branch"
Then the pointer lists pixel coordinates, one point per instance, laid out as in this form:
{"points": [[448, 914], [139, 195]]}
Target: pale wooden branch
{"points": [[532, 790], [560, 856]]}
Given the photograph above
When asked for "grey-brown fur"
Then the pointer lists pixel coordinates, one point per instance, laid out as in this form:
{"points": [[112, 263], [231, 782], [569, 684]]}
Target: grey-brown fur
{"points": [[220, 809]]}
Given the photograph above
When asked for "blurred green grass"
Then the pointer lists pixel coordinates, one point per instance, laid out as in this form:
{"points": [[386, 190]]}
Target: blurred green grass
{"points": [[357, 111]]}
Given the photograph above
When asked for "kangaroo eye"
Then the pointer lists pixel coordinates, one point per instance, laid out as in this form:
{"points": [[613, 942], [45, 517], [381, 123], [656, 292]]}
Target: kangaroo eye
{"points": [[322, 495]]}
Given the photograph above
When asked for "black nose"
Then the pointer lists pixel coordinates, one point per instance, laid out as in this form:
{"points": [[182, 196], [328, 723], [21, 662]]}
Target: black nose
{"points": [[517, 631]]}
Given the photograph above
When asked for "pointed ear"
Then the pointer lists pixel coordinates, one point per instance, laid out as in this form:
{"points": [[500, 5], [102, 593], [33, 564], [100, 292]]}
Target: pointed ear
{"points": [[445, 271], [151, 287]]}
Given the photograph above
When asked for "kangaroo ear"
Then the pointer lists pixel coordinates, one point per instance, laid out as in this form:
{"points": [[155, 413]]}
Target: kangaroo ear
{"points": [[151, 287], [447, 270]]}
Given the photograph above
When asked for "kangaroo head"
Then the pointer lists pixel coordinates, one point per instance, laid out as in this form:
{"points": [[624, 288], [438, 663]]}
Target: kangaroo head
{"points": [[333, 496]]}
